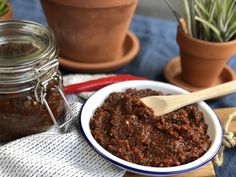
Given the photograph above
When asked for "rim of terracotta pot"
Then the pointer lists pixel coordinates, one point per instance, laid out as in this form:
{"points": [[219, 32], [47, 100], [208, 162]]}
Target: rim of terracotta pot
{"points": [[202, 42], [8, 15], [206, 49], [94, 3]]}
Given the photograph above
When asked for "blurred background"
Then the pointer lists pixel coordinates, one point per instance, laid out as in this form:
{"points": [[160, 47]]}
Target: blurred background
{"points": [[157, 8]]}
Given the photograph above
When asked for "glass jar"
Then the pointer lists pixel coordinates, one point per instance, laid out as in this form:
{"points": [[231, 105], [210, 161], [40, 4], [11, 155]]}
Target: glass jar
{"points": [[31, 96]]}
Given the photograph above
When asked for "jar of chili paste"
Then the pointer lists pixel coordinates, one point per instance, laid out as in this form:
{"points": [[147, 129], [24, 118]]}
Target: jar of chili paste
{"points": [[31, 96]]}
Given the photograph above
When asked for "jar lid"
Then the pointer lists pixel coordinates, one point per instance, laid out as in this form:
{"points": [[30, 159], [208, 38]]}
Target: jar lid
{"points": [[24, 42], [28, 55]]}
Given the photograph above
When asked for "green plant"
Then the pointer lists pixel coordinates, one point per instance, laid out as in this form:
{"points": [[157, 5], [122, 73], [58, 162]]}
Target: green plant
{"points": [[210, 20], [3, 7]]}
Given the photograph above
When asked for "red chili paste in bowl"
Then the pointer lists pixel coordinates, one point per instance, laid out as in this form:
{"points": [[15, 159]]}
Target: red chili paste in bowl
{"points": [[128, 129]]}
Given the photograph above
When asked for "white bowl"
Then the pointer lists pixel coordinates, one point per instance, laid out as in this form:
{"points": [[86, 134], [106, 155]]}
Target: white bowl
{"points": [[97, 99]]}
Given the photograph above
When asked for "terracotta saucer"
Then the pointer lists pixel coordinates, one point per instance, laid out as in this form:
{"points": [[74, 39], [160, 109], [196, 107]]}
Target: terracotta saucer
{"points": [[130, 48], [172, 73]]}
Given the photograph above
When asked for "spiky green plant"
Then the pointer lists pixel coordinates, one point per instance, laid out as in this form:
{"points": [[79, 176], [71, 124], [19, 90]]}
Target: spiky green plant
{"points": [[210, 20], [3, 7]]}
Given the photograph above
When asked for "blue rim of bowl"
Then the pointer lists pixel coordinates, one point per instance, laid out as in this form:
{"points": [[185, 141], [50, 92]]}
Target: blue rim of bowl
{"points": [[132, 169]]}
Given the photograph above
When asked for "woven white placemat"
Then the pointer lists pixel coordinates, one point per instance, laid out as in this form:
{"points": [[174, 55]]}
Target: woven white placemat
{"points": [[54, 154]]}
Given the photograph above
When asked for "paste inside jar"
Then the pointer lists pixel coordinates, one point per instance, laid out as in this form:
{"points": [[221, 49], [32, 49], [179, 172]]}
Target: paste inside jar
{"points": [[128, 129], [21, 114]]}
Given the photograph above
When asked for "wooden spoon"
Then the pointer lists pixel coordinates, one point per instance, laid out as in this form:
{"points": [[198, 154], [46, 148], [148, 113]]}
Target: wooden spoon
{"points": [[165, 104]]}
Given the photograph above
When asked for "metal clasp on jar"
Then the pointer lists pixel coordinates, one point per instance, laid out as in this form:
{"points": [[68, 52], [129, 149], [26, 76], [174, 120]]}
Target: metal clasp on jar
{"points": [[40, 91]]}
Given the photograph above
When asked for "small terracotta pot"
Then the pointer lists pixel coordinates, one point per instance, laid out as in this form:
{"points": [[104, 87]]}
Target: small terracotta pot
{"points": [[8, 15], [89, 31], [202, 62]]}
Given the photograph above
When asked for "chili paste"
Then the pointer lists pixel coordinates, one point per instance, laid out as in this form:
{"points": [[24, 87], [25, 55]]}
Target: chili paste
{"points": [[128, 129], [21, 114]]}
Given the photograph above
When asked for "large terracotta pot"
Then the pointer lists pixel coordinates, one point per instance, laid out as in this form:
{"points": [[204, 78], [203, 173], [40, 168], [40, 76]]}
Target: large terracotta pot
{"points": [[202, 62], [8, 15], [89, 31]]}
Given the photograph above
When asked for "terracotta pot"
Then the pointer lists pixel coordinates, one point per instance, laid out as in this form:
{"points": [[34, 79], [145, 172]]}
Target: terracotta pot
{"points": [[89, 31], [8, 15], [202, 62]]}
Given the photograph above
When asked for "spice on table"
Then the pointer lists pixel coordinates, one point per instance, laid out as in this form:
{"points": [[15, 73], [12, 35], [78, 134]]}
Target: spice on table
{"points": [[96, 84]]}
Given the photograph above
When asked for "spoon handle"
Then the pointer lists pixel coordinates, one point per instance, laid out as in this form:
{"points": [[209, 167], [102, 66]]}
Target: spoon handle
{"points": [[212, 92], [165, 104]]}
